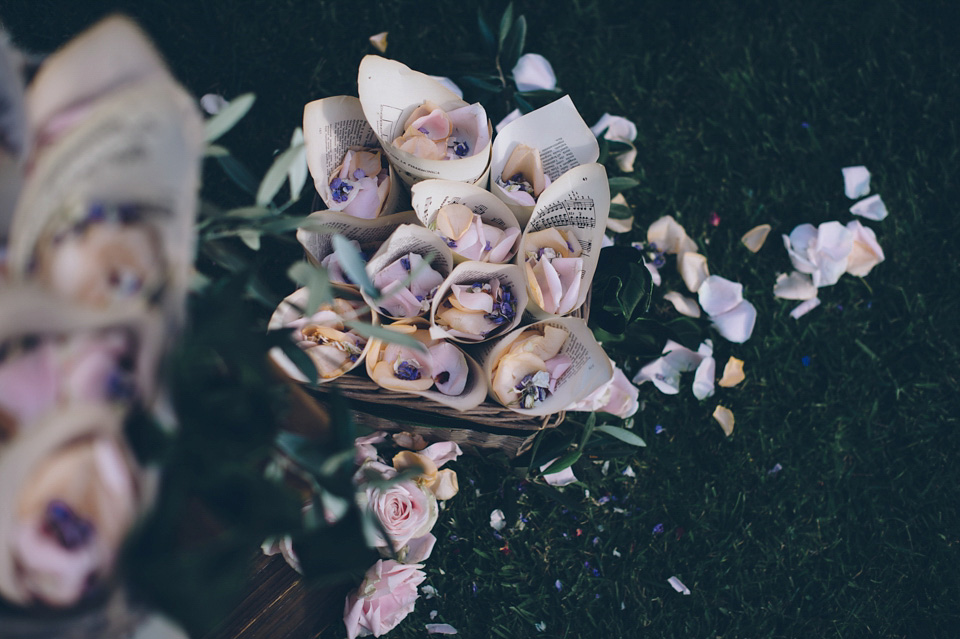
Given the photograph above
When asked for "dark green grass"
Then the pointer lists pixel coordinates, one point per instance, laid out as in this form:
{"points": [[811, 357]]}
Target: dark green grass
{"points": [[857, 535]]}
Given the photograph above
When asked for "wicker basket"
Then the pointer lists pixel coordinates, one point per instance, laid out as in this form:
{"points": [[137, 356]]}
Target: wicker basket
{"points": [[488, 426]]}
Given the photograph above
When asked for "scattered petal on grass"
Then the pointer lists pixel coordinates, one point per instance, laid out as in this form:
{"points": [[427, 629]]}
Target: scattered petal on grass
{"points": [[497, 520], [658, 429], [755, 237], [805, 360], [693, 269], [871, 208], [703, 379], [658, 529], [796, 286], [533, 72], [540, 626], [678, 585], [724, 417], [776, 469], [670, 237], [429, 592], [605, 468], [732, 373], [684, 305], [616, 553], [866, 252], [628, 472], [562, 478], [804, 308], [433, 614], [558, 585], [856, 181], [441, 629], [736, 325], [714, 219], [379, 42]]}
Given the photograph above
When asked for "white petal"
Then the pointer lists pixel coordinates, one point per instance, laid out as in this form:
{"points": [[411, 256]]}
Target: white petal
{"points": [[796, 286], [832, 250], [617, 128], [684, 305], [513, 115], [213, 103], [654, 272], [736, 325], [866, 251], [664, 376], [871, 208], [448, 84], [533, 73], [678, 585], [669, 236], [497, 520], [703, 379], [724, 417], [693, 269], [719, 295], [804, 308], [755, 237], [563, 478], [626, 159], [856, 181], [379, 42], [440, 629], [680, 357]]}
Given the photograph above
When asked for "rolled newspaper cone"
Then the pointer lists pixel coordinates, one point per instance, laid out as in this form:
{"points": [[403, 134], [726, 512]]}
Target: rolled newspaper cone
{"points": [[332, 346], [477, 302], [13, 133], [444, 373], [561, 244], [55, 354], [107, 209], [338, 141], [70, 491], [539, 147], [545, 367], [367, 235], [399, 260], [471, 220], [390, 92]]}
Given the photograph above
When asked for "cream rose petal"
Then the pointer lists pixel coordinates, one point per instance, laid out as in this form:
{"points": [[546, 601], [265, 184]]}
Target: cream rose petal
{"points": [[684, 305], [796, 286], [446, 485], [379, 41], [755, 237], [732, 373], [693, 269], [856, 181], [866, 251], [832, 247], [804, 308], [724, 417], [534, 73], [719, 295], [703, 380], [736, 325], [871, 208], [669, 237]]}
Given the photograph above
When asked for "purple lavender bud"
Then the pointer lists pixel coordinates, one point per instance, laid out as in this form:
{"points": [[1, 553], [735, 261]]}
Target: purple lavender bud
{"points": [[658, 529], [69, 529], [405, 263], [359, 174], [423, 130], [407, 371]]}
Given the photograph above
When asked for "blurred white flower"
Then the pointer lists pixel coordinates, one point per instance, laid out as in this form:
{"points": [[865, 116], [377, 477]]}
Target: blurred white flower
{"points": [[534, 73]]}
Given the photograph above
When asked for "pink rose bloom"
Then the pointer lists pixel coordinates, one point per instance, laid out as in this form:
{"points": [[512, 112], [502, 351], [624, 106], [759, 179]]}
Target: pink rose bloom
{"points": [[404, 509], [386, 596]]}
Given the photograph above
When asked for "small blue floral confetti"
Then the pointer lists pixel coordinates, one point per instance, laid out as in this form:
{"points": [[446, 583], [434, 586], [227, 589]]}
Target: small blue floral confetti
{"points": [[658, 529], [453, 538], [497, 536], [840, 307], [603, 500], [558, 585], [524, 519], [596, 573], [586, 564], [565, 535], [805, 125], [473, 587], [869, 305], [805, 360], [596, 540], [776, 469], [597, 596], [658, 429]]}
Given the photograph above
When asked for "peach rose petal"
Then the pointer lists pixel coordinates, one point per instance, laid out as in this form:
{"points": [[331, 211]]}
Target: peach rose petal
{"points": [[670, 237], [724, 417], [693, 269], [732, 373], [755, 237], [684, 305]]}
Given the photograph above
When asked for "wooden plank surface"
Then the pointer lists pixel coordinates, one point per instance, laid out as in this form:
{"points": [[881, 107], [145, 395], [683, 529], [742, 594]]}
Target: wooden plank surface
{"points": [[276, 605]]}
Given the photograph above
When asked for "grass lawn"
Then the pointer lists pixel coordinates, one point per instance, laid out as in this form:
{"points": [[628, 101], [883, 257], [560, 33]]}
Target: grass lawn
{"points": [[748, 110]]}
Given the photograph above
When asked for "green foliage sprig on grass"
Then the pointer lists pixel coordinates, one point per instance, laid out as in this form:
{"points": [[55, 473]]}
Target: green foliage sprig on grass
{"points": [[857, 534]]}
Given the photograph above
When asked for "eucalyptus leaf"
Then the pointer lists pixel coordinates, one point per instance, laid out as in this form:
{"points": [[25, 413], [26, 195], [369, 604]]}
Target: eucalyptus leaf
{"points": [[620, 211], [485, 32], [506, 22], [622, 434], [237, 172], [386, 335], [512, 47], [277, 174], [251, 238], [620, 184], [588, 429], [297, 173], [564, 462], [524, 106], [482, 84], [215, 150], [354, 265], [316, 281], [247, 212], [228, 117]]}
